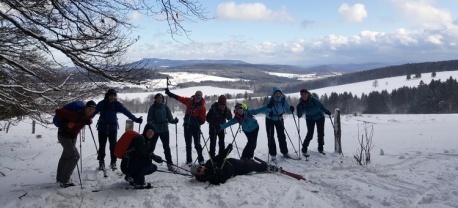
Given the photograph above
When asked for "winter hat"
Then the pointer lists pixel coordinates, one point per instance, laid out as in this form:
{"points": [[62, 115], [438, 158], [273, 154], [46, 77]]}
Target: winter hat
{"points": [[90, 103], [238, 106], [276, 89], [111, 92], [148, 126], [194, 169], [304, 91], [222, 100], [157, 95]]}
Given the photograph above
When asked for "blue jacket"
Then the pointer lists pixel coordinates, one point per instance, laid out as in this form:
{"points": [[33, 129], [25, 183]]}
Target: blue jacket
{"points": [[108, 115], [247, 120], [312, 107], [160, 116], [281, 106]]}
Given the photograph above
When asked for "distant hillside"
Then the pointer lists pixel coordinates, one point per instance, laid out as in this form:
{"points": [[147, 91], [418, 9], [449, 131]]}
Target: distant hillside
{"points": [[348, 68], [155, 63], [384, 72]]}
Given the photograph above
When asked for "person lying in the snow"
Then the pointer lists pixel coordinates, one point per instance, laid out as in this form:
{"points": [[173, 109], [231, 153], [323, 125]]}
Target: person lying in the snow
{"points": [[220, 168]]}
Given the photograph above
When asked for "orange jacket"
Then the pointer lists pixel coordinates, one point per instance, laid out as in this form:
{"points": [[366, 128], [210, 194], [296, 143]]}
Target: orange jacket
{"points": [[198, 110]]}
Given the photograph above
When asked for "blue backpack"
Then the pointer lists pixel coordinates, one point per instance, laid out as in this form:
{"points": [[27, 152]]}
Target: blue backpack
{"points": [[73, 106]]}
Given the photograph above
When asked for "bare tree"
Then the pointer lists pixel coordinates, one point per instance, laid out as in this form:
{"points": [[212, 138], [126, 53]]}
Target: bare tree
{"points": [[93, 35]]}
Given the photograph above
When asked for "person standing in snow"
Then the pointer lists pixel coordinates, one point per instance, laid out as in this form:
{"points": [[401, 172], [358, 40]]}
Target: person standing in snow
{"points": [[314, 115], [250, 127], [159, 116], [72, 123], [220, 169], [274, 120], [107, 125], [193, 119], [137, 162], [217, 115]]}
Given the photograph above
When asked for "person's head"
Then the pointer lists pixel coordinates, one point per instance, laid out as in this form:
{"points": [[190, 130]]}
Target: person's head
{"points": [[90, 107], [198, 96], [148, 131], [158, 98], [277, 92], [197, 170], [304, 94], [222, 102], [111, 95], [238, 108]]}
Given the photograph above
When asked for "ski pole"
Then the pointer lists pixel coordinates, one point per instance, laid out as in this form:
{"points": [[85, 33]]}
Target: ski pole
{"points": [[81, 152], [298, 131], [234, 139], [176, 141], [79, 176], [96, 149]]}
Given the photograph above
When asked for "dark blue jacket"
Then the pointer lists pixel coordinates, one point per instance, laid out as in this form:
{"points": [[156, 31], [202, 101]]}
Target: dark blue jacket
{"points": [[108, 117]]}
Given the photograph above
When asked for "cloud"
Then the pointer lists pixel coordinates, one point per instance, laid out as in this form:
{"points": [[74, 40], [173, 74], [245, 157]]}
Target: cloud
{"points": [[423, 14], [251, 11], [356, 13], [135, 16], [307, 24]]}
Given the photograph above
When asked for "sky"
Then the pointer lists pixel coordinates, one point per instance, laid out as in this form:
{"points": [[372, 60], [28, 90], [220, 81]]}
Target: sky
{"points": [[308, 33]]}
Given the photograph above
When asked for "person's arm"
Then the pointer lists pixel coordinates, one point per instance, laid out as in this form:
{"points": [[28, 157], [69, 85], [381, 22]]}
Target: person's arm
{"points": [[228, 113], [150, 116], [259, 110], [229, 123], [120, 108], [202, 118], [287, 107], [299, 110], [321, 106]]}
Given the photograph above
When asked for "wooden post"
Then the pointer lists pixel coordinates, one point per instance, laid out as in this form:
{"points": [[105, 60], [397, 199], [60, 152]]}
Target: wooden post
{"points": [[129, 124], [337, 132], [33, 126], [8, 127]]}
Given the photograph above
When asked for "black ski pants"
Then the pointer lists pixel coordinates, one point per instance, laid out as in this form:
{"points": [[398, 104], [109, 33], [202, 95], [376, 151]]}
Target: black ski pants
{"points": [[242, 167], [310, 130], [190, 132], [252, 137], [103, 137], [215, 134], [165, 139], [271, 126]]}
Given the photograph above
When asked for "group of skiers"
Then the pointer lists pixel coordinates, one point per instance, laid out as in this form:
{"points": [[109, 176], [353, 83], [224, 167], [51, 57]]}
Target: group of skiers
{"points": [[137, 161]]}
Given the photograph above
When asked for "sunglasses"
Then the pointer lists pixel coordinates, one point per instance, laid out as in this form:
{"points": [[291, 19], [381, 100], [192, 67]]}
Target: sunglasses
{"points": [[198, 96]]}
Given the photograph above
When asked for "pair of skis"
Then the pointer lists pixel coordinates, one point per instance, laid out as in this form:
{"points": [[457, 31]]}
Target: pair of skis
{"points": [[274, 168]]}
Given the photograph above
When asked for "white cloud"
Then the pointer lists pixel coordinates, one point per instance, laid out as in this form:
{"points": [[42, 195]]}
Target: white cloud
{"points": [[425, 15], [135, 16], [356, 13], [435, 39], [251, 11]]}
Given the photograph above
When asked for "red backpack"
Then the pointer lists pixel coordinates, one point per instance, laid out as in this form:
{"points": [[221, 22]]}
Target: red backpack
{"points": [[123, 143]]}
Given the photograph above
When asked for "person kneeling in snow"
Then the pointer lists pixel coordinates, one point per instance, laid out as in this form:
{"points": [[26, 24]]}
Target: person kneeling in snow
{"points": [[137, 162], [218, 170]]}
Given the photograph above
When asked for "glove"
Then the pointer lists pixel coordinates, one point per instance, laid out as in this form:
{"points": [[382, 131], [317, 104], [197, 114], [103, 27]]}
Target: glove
{"points": [[271, 103], [157, 159], [167, 92], [139, 120], [229, 146], [291, 108], [175, 121], [328, 112], [88, 122], [71, 124]]}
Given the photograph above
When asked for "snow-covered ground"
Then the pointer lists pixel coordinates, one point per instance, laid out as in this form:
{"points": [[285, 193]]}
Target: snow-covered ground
{"points": [[419, 168]]}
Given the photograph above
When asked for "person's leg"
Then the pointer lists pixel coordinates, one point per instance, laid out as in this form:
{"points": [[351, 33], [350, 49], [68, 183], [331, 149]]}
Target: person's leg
{"points": [[103, 138], [320, 133], [221, 143], [165, 139], [188, 140], [112, 138], [139, 176], [270, 137], [252, 137], [197, 145], [212, 132], [309, 136], [281, 136], [68, 159]]}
